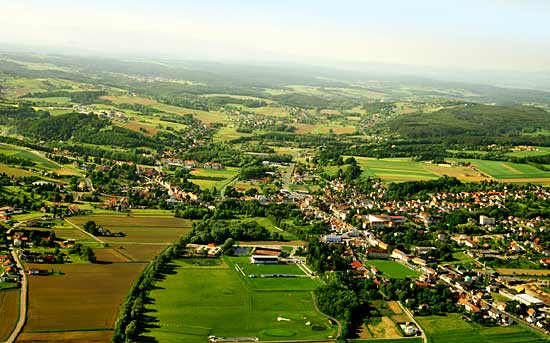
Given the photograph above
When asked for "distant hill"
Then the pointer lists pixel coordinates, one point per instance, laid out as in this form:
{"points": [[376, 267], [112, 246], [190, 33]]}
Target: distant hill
{"points": [[471, 120]]}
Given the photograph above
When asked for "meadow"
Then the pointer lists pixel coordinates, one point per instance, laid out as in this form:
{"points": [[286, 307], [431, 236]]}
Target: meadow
{"points": [[212, 178], [510, 172], [452, 329], [198, 301], [393, 269]]}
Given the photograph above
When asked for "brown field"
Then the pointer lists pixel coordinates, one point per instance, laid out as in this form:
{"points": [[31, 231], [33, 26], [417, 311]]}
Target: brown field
{"points": [[461, 173], [99, 336], [386, 328], [139, 229], [10, 312], [129, 100], [143, 234], [398, 315], [134, 126], [110, 220], [139, 252], [513, 271], [110, 256], [86, 297]]}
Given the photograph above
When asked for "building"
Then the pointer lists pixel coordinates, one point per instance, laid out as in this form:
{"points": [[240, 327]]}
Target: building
{"points": [[375, 253], [484, 220], [529, 300], [260, 259]]}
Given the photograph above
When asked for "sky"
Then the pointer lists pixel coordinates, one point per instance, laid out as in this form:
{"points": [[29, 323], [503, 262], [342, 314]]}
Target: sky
{"points": [[503, 35]]}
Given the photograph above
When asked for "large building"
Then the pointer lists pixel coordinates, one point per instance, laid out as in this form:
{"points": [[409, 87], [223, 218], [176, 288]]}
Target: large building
{"points": [[262, 259]]}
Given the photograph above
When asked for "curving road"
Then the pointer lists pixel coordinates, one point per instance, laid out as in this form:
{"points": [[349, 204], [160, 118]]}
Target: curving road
{"points": [[23, 300]]}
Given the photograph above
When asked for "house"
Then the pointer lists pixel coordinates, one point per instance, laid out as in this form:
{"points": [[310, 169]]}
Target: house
{"points": [[529, 300], [333, 239], [213, 165]]}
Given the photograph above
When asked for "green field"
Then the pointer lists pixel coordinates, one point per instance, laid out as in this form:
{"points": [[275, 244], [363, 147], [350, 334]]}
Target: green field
{"points": [[22, 153], [393, 269], [221, 177], [452, 329], [268, 224], [392, 169], [384, 340], [198, 301], [506, 170]]}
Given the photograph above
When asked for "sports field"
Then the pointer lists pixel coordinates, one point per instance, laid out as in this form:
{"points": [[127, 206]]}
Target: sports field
{"points": [[452, 329], [393, 269], [198, 301]]}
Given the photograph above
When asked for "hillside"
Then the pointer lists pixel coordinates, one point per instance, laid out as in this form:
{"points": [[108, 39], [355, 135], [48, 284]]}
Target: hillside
{"points": [[471, 120]]}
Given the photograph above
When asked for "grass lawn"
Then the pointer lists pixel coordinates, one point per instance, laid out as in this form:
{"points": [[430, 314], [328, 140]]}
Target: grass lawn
{"points": [[452, 329], [393, 269], [268, 224], [223, 177], [198, 301]]}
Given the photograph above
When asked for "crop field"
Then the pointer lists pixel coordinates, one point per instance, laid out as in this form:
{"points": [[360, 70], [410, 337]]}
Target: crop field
{"points": [[393, 269], [207, 117], [228, 133], [324, 128], [452, 329], [139, 252], [395, 169], [146, 130], [91, 297], [96, 336], [511, 172], [9, 307], [139, 229], [198, 301], [18, 172]]}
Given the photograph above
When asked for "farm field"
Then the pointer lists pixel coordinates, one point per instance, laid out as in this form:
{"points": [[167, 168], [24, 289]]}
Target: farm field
{"points": [[198, 301], [393, 269], [452, 329], [139, 229], [139, 252], [9, 307], [96, 336], [98, 289], [395, 169], [510, 172], [220, 177]]}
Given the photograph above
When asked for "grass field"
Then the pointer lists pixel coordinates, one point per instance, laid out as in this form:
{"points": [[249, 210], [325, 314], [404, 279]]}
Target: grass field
{"points": [[90, 298], [225, 175], [268, 224], [452, 329], [392, 169], [9, 302], [198, 301], [393, 269], [510, 172]]}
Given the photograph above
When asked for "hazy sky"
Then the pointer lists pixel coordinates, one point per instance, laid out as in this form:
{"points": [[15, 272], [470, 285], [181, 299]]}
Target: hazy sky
{"points": [[473, 34]]}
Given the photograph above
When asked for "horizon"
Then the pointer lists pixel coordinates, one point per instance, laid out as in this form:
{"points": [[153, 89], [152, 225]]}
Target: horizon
{"points": [[494, 36]]}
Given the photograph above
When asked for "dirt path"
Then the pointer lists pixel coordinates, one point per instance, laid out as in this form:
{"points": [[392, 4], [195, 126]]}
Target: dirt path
{"points": [[339, 333], [405, 310]]}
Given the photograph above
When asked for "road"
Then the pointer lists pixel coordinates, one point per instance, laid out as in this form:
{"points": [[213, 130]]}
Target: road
{"points": [[406, 310], [22, 302], [87, 233], [339, 332]]}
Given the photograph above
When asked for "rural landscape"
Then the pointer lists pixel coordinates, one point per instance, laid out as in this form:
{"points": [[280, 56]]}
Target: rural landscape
{"points": [[162, 199]]}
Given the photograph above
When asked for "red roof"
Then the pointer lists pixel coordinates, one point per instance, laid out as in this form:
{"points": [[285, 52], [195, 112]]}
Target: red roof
{"points": [[356, 264]]}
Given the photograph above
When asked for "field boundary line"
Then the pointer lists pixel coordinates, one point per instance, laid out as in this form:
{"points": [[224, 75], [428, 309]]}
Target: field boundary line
{"points": [[82, 230]]}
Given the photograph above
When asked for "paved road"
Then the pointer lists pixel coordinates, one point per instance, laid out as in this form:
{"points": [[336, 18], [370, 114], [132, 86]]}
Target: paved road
{"points": [[22, 302], [406, 310], [339, 333]]}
